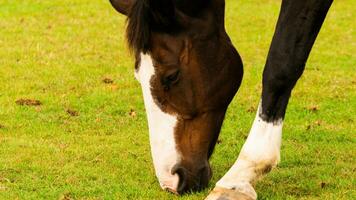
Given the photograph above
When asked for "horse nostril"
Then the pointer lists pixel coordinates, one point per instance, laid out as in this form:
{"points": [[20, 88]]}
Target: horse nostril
{"points": [[189, 181], [182, 173]]}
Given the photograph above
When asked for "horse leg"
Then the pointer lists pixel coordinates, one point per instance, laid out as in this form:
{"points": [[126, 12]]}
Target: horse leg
{"points": [[298, 25]]}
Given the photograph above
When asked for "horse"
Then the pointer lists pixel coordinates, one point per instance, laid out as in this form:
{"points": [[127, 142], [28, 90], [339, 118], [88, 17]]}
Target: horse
{"points": [[189, 72]]}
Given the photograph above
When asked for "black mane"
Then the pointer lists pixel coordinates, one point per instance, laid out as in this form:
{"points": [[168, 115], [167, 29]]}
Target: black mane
{"points": [[146, 16]]}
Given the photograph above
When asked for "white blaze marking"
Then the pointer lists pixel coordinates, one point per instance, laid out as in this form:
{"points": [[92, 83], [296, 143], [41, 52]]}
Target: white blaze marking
{"points": [[260, 152], [161, 128]]}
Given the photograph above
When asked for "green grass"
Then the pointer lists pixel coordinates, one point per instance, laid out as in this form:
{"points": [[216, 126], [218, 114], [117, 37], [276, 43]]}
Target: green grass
{"points": [[59, 51]]}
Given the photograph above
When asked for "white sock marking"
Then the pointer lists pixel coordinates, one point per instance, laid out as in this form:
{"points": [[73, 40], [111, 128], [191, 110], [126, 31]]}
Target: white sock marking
{"points": [[260, 152]]}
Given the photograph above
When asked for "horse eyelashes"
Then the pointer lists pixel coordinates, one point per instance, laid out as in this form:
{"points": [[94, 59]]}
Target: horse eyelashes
{"points": [[173, 77], [170, 79]]}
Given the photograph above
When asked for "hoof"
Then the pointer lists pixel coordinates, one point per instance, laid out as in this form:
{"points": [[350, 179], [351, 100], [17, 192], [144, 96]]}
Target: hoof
{"points": [[219, 193]]}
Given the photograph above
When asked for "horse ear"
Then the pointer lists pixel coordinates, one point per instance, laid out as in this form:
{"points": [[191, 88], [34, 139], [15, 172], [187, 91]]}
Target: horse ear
{"points": [[122, 6]]}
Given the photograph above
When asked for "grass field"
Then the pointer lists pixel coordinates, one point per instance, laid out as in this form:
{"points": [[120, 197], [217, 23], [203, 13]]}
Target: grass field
{"points": [[89, 140]]}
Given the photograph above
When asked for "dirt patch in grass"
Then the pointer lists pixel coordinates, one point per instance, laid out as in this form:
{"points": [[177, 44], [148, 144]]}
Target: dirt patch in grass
{"points": [[72, 112], [251, 109], [66, 196], [28, 102], [315, 124], [313, 108], [108, 81], [132, 113]]}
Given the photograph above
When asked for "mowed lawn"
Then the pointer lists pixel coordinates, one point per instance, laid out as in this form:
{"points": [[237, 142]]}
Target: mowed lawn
{"points": [[88, 139]]}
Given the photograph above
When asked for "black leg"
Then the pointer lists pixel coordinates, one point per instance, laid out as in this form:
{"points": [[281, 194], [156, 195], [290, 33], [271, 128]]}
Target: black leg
{"points": [[297, 28]]}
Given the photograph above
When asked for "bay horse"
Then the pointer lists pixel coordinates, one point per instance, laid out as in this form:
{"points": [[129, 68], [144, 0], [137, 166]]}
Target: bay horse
{"points": [[189, 72]]}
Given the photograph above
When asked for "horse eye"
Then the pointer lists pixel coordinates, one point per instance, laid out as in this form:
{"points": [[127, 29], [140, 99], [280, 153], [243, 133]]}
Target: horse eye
{"points": [[170, 78]]}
